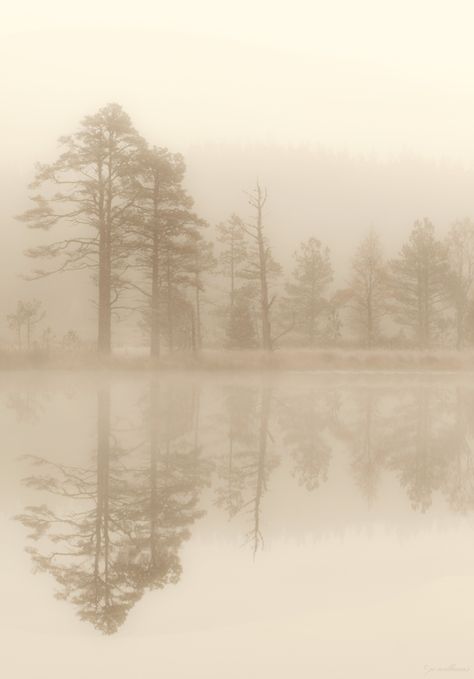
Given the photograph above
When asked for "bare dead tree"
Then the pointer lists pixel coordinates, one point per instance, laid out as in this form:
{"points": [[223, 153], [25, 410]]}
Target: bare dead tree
{"points": [[260, 264]]}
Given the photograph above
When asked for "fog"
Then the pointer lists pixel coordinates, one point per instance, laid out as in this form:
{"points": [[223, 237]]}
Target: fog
{"points": [[252, 524], [351, 116], [237, 339]]}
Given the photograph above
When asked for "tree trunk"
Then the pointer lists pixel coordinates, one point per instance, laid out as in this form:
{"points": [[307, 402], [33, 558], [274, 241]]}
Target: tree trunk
{"points": [[104, 339], [155, 290], [265, 305], [312, 318], [232, 282], [459, 328], [193, 332], [370, 323], [198, 315], [169, 305]]}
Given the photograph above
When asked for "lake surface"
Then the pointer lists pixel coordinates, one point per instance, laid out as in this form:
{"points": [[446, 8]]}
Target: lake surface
{"points": [[241, 526]]}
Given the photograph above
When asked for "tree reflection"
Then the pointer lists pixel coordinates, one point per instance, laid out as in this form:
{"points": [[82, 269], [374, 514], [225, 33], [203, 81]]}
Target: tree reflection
{"points": [[245, 470], [418, 451], [167, 489], [306, 421], [28, 405], [370, 443], [116, 526], [458, 481], [113, 529], [240, 405]]}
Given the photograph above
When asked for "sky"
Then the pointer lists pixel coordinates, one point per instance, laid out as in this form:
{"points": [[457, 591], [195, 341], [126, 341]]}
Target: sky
{"points": [[240, 89], [372, 77]]}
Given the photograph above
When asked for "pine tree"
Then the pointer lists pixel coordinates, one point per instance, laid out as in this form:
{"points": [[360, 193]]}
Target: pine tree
{"points": [[368, 290], [202, 262], [28, 314], [165, 239], [419, 283], [231, 236], [306, 291], [91, 190], [460, 244]]}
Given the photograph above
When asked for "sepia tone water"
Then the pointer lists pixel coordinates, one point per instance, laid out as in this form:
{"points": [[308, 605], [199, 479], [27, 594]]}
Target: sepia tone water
{"points": [[237, 526]]}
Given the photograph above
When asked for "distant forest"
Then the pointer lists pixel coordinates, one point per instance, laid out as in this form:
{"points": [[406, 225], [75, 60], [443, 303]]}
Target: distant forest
{"points": [[118, 209]]}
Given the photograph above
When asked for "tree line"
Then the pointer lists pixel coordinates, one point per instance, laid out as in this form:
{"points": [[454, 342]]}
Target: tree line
{"points": [[124, 216]]}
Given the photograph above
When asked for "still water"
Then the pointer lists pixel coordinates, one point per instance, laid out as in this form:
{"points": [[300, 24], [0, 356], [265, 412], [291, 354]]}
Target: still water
{"points": [[237, 526]]}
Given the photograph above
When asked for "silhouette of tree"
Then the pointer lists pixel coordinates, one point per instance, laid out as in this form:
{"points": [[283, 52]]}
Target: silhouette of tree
{"points": [[91, 189], [28, 314], [460, 245], [306, 300], [368, 287], [260, 265], [165, 239], [419, 283], [231, 237], [202, 262]]}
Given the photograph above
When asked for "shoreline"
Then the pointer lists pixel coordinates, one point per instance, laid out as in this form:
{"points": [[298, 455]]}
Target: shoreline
{"points": [[321, 361]]}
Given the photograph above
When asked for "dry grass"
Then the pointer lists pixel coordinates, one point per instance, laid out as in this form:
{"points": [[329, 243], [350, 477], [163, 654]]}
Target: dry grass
{"points": [[280, 360]]}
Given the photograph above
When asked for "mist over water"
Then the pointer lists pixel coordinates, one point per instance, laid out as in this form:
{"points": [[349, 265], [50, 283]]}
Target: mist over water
{"points": [[238, 511], [236, 339]]}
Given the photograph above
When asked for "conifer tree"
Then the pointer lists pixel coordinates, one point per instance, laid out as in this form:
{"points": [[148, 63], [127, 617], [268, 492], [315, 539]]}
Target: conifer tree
{"points": [[460, 244], [419, 283], [306, 290], [368, 290], [90, 190], [165, 237]]}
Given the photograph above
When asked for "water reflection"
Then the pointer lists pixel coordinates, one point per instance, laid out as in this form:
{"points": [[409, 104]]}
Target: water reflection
{"points": [[113, 528], [123, 517], [307, 421], [370, 443], [244, 471], [27, 405]]}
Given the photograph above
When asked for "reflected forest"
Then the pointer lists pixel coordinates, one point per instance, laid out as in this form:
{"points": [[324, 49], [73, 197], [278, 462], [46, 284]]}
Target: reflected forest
{"points": [[114, 526]]}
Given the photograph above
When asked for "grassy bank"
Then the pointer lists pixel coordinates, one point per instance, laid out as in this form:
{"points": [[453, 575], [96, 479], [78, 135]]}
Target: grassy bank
{"points": [[318, 360]]}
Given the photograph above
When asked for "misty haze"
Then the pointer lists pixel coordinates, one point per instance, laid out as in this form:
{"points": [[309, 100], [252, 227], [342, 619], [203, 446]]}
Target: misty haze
{"points": [[237, 339]]}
